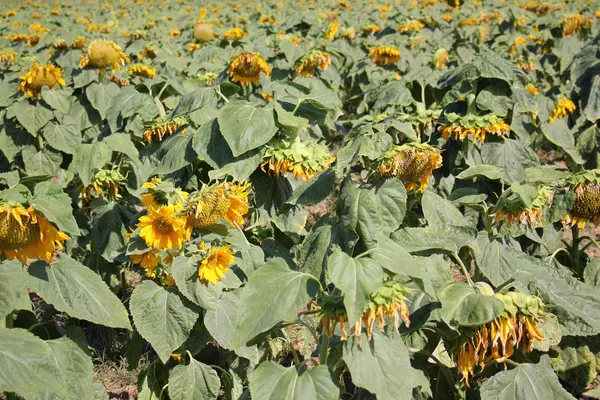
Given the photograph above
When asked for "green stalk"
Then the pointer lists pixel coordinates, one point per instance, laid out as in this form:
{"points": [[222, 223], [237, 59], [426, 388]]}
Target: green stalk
{"points": [[324, 351], [463, 268], [294, 353], [575, 250]]}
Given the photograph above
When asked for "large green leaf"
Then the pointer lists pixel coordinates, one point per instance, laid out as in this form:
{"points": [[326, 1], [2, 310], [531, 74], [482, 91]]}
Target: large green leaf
{"points": [[357, 278], [439, 211], [13, 287], [462, 306], [121, 143], [527, 381], [434, 239], [64, 137], [175, 153], [271, 381], [313, 250], [513, 156], [101, 96], [246, 126], [109, 224], [161, 317], [273, 294], [58, 99], [195, 381], [44, 162], [87, 158], [185, 272], [152, 380], [28, 365], [381, 365], [32, 117], [77, 290], [55, 204]]}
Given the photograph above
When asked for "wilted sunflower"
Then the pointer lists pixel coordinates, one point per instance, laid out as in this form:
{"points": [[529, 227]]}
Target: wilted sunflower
{"points": [[228, 201], [19, 37], [105, 183], [174, 33], [370, 29], [586, 185], [26, 235], [142, 70], [7, 56], [441, 58], [348, 33], [302, 158], [148, 52], [410, 26], [573, 24], [477, 127], [516, 210], [382, 55], [161, 129], [159, 193], [308, 64], [497, 340], [245, 68], [11, 13], [33, 40], [234, 34], [36, 27], [412, 163], [332, 30], [103, 54], [267, 20], [80, 42], [563, 108], [119, 81], [138, 34], [216, 262], [37, 77], [162, 228], [60, 44], [532, 89]]}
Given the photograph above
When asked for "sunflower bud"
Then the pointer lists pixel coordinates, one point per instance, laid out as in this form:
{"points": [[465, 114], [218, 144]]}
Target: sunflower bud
{"points": [[383, 55], [203, 33], [303, 158], [586, 185], [308, 64], [441, 58], [39, 76], [478, 127]]}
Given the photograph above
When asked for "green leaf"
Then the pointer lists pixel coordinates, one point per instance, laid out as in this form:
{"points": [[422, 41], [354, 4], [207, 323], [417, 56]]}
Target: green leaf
{"points": [[592, 103], [13, 287], [489, 171], [394, 258], [494, 99], [434, 239], [192, 101], [185, 272], [161, 317], [121, 143], [271, 381], [28, 365], [513, 156], [39, 163], [545, 174], [174, 154], [462, 306], [77, 290], [357, 278], [83, 77], [574, 363], [273, 294], [314, 190], [195, 381], [32, 117], [381, 365], [288, 119], [591, 274], [313, 251], [152, 380], [527, 381], [101, 96], [390, 94], [58, 99], [89, 157], [439, 211], [245, 126], [55, 204], [109, 224], [63, 137]]}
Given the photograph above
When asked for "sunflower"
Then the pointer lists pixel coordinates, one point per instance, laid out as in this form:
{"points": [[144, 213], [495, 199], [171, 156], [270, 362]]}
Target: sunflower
{"points": [[19, 37], [7, 56], [148, 52], [477, 127], [512, 208], [105, 183], [161, 129], [302, 158], [234, 34], [348, 33], [228, 201], [142, 70], [308, 64], [216, 262], [586, 185], [80, 42], [563, 108], [382, 55], [245, 68], [411, 26], [573, 24], [238, 202], [193, 47], [60, 44], [163, 229], [103, 54], [447, 17], [332, 29], [370, 29], [36, 27], [148, 261], [174, 33], [159, 193], [25, 235], [33, 40], [412, 163], [119, 81], [532, 89], [11, 13], [267, 20], [497, 340], [37, 77], [138, 34], [441, 58]]}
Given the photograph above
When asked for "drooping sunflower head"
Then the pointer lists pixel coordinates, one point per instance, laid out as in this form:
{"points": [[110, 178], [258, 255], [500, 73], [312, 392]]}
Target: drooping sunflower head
{"points": [[410, 26], [216, 262], [266, 19], [161, 129], [138, 34], [7, 56], [164, 228], [478, 127], [234, 34], [38, 76], [103, 54], [228, 201], [245, 68], [60, 44], [148, 52], [203, 33], [79, 42], [19, 37], [142, 70], [525, 206], [158, 193], [148, 261], [573, 24], [441, 58], [586, 185], [302, 158], [531, 89], [412, 163], [348, 33], [334, 312], [307, 65], [104, 184], [174, 33], [27, 235], [11, 13], [383, 55], [370, 29], [332, 29], [563, 108]]}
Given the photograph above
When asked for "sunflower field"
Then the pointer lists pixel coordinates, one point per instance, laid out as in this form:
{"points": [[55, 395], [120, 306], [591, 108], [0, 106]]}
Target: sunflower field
{"points": [[268, 200]]}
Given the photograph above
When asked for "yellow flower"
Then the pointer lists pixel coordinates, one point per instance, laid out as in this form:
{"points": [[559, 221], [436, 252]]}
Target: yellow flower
{"points": [[266, 96], [148, 261], [103, 181], [11, 13], [267, 20], [55, 11], [142, 70], [332, 30], [245, 68], [159, 130], [563, 108], [33, 40], [302, 158], [469, 22], [216, 263], [158, 195], [174, 33], [512, 208], [587, 203], [572, 24], [461, 130], [412, 163], [371, 29], [385, 55], [38, 28], [19, 37], [441, 58], [25, 235], [308, 64], [228, 201], [238, 202], [447, 17], [139, 34], [103, 54], [59, 44], [118, 81], [234, 34], [532, 90], [37, 77], [79, 42], [415, 26], [163, 229], [7, 56], [148, 52]]}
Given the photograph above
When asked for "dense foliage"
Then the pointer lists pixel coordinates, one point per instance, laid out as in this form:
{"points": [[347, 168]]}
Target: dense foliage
{"points": [[301, 199]]}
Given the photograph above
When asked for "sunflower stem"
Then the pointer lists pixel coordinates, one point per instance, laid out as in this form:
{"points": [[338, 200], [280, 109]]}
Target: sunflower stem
{"points": [[324, 351], [463, 268], [40, 139], [575, 249], [294, 353]]}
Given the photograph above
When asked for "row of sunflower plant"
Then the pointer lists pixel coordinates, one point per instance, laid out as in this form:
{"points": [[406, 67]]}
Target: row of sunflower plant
{"points": [[300, 199]]}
